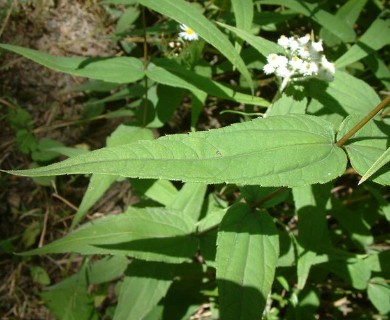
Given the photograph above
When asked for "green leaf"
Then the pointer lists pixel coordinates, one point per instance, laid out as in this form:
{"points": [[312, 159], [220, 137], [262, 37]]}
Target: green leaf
{"points": [[262, 45], [70, 304], [354, 223], [290, 150], [348, 12], [162, 191], [243, 12], [185, 13], [379, 292], [333, 24], [379, 163], [248, 250], [111, 69], [99, 183], [106, 269], [127, 19], [144, 285], [353, 270], [189, 200], [287, 104], [366, 146], [344, 95], [310, 204], [150, 234], [369, 43], [39, 275], [172, 74]]}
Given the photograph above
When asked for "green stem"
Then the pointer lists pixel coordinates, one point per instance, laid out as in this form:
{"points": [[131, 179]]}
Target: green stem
{"points": [[361, 123]]}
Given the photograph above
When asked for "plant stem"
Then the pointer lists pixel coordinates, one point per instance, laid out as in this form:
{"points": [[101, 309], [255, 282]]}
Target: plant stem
{"points": [[145, 109], [362, 122]]}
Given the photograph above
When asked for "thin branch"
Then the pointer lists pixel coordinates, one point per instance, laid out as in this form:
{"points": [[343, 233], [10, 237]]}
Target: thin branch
{"points": [[361, 123]]}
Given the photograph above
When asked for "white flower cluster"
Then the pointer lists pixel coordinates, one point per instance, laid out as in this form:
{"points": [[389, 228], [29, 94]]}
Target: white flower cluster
{"points": [[304, 58]]}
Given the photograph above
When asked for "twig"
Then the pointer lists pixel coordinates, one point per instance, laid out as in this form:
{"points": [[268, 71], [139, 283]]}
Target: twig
{"points": [[362, 122]]}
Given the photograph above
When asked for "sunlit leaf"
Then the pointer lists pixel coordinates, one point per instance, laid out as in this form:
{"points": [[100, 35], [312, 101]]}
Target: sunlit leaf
{"points": [[290, 150], [150, 234], [368, 43], [247, 254], [111, 69], [172, 74]]}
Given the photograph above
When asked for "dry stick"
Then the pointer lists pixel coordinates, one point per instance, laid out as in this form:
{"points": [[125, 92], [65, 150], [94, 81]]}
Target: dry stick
{"points": [[7, 17], [362, 122]]}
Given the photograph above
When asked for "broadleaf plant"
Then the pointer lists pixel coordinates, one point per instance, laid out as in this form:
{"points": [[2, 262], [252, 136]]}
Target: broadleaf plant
{"points": [[255, 212]]}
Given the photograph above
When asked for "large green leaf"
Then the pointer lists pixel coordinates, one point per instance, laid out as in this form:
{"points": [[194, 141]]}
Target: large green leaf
{"points": [[247, 254], [310, 205], [111, 69], [172, 74], [369, 43], [187, 14], [366, 146], [99, 183], [149, 234], [345, 95], [144, 285], [332, 23], [289, 150]]}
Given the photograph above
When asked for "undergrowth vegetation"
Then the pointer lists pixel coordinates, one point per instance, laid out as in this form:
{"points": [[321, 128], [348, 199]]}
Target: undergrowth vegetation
{"points": [[267, 200]]}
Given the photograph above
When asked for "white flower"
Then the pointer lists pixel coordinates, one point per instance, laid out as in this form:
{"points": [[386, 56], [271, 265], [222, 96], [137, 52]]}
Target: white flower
{"points": [[293, 44], [284, 42], [295, 63], [187, 33], [283, 71], [304, 40], [326, 69], [302, 58], [268, 68], [276, 60], [309, 68], [276, 64], [317, 46], [304, 52]]}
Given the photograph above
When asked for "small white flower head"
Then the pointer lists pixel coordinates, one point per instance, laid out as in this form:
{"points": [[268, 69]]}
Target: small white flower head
{"points": [[309, 68], [317, 46], [284, 42], [293, 44], [275, 62], [303, 41], [268, 68], [326, 69], [304, 52], [187, 33], [295, 63], [283, 72]]}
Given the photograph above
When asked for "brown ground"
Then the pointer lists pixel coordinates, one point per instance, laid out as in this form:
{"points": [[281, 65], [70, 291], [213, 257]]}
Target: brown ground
{"points": [[66, 28]]}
